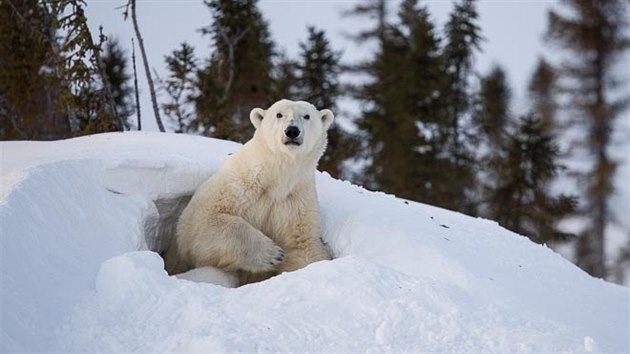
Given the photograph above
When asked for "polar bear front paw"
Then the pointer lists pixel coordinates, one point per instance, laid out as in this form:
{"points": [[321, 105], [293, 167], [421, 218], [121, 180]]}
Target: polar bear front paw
{"points": [[278, 256], [268, 258]]}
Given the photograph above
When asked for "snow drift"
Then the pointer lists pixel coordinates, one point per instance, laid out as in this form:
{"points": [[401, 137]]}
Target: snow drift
{"points": [[81, 220]]}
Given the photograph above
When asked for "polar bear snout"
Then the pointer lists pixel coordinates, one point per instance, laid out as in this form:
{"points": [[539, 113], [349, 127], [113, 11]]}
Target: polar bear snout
{"points": [[292, 135], [292, 132]]}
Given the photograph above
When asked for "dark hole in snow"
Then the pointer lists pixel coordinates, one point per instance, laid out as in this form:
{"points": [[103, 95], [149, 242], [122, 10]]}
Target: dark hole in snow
{"points": [[159, 226], [445, 226]]}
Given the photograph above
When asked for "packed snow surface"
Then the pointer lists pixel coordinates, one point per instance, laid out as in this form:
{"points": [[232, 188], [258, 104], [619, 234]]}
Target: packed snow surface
{"points": [[79, 271]]}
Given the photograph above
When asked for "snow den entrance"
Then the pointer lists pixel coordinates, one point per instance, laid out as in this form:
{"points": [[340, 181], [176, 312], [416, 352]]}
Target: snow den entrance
{"points": [[160, 224]]}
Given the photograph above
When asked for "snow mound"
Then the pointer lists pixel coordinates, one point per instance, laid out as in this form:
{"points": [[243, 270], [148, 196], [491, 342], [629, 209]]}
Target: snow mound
{"points": [[81, 221]]}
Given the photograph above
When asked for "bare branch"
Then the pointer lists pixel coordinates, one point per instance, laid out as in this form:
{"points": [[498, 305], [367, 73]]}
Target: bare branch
{"points": [[156, 109], [101, 70], [135, 83], [231, 43]]}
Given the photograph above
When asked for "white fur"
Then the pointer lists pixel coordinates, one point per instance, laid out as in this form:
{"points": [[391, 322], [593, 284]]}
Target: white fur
{"points": [[258, 215], [210, 275]]}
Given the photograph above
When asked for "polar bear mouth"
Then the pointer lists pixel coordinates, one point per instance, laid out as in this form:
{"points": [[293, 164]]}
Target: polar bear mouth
{"points": [[294, 142]]}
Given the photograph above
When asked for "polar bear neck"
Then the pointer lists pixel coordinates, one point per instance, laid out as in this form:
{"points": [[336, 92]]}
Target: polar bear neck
{"points": [[273, 173]]}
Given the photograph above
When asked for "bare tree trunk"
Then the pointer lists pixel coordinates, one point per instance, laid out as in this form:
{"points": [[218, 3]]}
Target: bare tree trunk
{"points": [[156, 109], [101, 71], [603, 168], [231, 43], [135, 83]]}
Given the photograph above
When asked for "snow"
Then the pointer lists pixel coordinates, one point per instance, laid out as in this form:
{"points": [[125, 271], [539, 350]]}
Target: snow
{"points": [[79, 226]]}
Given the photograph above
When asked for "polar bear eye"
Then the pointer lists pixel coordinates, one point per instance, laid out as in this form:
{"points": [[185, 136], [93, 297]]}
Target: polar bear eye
{"points": [[307, 117], [279, 115]]}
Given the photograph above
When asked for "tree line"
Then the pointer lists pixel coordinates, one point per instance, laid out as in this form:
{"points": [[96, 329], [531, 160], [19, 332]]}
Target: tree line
{"points": [[430, 128]]}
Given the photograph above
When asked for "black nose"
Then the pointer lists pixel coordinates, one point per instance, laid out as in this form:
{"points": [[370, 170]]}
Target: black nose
{"points": [[292, 132]]}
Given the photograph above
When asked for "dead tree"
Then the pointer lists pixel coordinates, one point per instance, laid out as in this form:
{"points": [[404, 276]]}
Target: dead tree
{"points": [[134, 18]]}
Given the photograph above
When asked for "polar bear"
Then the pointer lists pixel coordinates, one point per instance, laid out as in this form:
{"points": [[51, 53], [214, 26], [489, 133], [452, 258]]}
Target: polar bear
{"points": [[258, 215]]}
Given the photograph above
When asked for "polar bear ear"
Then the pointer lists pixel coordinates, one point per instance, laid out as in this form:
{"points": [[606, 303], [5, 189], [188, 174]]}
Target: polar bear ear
{"points": [[256, 116], [327, 117]]}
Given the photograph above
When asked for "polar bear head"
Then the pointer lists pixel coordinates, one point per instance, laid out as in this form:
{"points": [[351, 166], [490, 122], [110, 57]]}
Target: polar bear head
{"points": [[295, 127]]}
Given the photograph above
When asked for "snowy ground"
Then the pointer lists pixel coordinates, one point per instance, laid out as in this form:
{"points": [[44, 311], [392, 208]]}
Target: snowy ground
{"points": [[78, 273]]}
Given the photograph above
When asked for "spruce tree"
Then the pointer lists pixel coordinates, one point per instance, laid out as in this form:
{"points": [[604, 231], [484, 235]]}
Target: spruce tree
{"points": [[521, 200], [180, 87], [424, 108], [377, 9], [116, 64], [318, 70], [285, 78], [375, 94], [318, 83], [59, 87], [239, 74], [83, 70], [521, 161], [543, 93], [400, 123], [543, 90], [463, 37], [493, 113], [595, 34], [30, 90], [492, 119]]}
